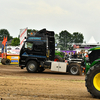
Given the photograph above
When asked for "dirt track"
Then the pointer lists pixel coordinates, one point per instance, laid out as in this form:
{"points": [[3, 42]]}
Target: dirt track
{"points": [[18, 84]]}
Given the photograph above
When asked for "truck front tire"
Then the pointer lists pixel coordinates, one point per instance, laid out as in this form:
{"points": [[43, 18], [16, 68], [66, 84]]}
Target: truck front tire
{"points": [[32, 66], [92, 81]]}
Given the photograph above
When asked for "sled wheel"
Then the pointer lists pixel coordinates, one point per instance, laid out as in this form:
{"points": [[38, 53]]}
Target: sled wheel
{"points": [[5, 61], [92, 81]]}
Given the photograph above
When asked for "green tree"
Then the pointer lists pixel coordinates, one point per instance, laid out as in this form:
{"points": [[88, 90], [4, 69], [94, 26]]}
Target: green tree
{"points": [[5, 33], [64, 38], [78, 37], [56, 38], [15, 42]]}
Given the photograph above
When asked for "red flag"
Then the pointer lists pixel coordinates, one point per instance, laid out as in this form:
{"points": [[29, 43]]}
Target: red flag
{"points": [[4, 52], [6, 47], [4, 41]]}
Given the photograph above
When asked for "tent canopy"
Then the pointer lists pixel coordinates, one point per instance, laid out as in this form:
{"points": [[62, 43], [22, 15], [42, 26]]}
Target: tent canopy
{"points": [[92, 41]]}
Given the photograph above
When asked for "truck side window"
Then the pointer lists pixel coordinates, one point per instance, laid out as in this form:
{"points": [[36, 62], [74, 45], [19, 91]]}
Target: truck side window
{"points": [[28, 45]]}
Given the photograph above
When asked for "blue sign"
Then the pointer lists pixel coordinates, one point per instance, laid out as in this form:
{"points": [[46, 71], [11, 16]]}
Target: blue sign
{"points": [[34, 38], [14, 60]]}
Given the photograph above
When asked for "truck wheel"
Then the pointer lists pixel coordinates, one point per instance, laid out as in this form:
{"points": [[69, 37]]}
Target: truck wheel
{"points": [[75, 69], [40, 69], [92, 81], [32, 66], [58, 58]]}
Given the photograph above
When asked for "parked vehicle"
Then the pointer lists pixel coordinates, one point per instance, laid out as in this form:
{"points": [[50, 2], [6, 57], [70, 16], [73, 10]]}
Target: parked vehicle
{"points": [[59, 56]]}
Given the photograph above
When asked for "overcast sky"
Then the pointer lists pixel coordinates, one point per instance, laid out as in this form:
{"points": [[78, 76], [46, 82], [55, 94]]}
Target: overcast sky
{"points": [[54, 15]]}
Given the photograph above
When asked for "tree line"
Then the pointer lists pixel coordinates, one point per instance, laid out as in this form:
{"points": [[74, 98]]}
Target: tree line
{"points": [[62, 39], [5, 33]]}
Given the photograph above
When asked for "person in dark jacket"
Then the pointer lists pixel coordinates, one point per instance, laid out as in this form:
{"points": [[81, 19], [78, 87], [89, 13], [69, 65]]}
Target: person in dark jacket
{"points": [[72, 55], [75, 55], [66, 55]]}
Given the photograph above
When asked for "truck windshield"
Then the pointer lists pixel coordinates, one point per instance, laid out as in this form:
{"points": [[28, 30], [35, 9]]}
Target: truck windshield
{"points": [[28, 45]]}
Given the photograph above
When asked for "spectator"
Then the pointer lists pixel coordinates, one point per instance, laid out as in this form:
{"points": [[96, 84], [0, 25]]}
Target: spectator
{"points": [[80, 54], [86, 54], [72, 55], [83, 53], [66, 55], [69, 55], [75, 55]]}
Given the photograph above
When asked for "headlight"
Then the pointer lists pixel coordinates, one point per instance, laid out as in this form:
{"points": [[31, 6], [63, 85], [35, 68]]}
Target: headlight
{"points": [[89, 52]]}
